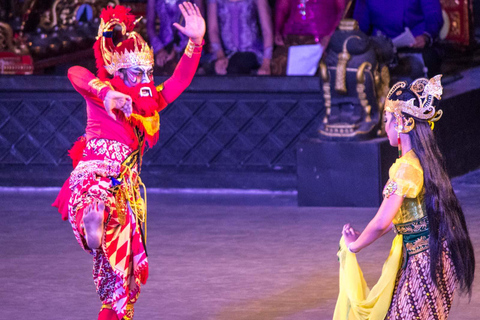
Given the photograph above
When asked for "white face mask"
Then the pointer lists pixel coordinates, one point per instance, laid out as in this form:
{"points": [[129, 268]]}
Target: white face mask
{"points": [[138, 74]]}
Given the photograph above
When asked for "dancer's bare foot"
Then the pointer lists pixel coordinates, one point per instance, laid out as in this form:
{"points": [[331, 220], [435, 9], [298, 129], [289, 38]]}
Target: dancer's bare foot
{"points": [[93, 222]]}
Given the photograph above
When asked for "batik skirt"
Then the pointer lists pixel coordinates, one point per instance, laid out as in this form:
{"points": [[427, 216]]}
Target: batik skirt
{"points": [[120, 265], [416, 296]]}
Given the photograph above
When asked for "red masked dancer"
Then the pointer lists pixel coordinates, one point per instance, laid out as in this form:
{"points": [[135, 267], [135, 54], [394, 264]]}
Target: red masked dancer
{"points": [[102, 198]]}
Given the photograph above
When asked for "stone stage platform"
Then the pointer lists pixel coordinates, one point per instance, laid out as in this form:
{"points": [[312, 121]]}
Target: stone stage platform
{"points": [[244, 256]]}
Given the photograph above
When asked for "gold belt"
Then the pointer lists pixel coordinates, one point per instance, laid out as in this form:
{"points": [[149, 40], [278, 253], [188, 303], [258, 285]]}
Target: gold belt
{"points": [[416, 235]]}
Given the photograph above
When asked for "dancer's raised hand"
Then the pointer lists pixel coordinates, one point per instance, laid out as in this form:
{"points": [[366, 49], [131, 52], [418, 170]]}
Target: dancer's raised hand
{"points": [[194, 22]]}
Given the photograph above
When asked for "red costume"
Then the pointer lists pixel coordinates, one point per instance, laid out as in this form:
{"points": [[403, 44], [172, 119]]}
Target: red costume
{"points": [[108, 159]]}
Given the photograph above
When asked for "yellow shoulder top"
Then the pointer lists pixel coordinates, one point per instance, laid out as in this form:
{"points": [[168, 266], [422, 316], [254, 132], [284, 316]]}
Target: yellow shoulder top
{"points": [[406, 180]]}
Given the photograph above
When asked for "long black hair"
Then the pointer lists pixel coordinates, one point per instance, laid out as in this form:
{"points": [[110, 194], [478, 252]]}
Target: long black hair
{"points": [[445, 215]]}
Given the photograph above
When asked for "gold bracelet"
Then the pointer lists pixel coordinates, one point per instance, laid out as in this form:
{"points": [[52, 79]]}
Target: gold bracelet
{"points": [[106, 306], [191, 47], [348, 247]]}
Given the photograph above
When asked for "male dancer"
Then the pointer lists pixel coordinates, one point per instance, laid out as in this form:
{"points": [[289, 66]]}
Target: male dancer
{"points": [[102, 197]]}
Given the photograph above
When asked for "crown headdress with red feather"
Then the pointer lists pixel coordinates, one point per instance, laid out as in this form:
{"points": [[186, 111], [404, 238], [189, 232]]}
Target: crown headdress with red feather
{"points": [[133, 51]]}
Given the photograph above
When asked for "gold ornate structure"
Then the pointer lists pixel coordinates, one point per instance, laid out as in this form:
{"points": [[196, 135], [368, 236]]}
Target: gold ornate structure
{"points": [[64, 12], [458, 16], [14, 58], [339, 73]]}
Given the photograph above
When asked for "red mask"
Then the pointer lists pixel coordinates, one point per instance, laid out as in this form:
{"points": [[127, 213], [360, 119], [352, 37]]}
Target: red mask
{"points": [[144, 96]]}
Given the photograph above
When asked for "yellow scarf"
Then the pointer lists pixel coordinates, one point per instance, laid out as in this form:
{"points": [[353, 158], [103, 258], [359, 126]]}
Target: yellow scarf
{"points": [[355, 300]]}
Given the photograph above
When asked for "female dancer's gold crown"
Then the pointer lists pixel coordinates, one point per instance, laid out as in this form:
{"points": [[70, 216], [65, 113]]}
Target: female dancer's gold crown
{"points": [[421, 106]]}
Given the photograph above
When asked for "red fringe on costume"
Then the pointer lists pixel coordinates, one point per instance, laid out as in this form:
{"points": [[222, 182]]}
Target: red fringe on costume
{"points": [[76, 152], [121, 13]]}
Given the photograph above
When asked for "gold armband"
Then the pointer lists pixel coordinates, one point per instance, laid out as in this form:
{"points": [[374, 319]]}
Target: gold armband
{"points": [[189, 50], [98, 85]]}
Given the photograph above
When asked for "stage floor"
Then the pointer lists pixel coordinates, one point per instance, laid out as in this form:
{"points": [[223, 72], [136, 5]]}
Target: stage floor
{"points": [[212, 256]]}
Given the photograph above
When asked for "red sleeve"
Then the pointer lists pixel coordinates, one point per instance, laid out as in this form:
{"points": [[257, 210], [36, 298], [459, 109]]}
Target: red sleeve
{"points": [[81, 80], [182, 76]]}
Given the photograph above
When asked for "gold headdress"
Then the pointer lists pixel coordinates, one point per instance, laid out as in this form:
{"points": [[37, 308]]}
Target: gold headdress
{"points": [[133, 51], [420, 106]]}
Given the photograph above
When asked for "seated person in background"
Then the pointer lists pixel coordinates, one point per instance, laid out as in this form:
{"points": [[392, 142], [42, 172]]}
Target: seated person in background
{"points": [[167, 42], [301, 22], [238, 43], [423, 18]]}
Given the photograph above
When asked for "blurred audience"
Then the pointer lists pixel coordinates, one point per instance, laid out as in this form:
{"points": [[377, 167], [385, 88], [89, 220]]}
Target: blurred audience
{"points": [[412, 24], [241, 37], [303, 22], [167, 42]]}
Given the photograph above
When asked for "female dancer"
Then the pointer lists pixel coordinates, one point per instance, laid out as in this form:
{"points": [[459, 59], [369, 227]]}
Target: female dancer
{"points": [[432, 253]]}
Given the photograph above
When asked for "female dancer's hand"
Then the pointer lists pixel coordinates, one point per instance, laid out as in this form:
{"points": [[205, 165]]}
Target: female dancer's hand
{"points": [[349, 234], [194, 22]]}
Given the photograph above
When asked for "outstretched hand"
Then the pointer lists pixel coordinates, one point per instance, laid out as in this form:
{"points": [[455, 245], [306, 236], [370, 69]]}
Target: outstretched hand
{"points": [[117, 100], [194, 22]]}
